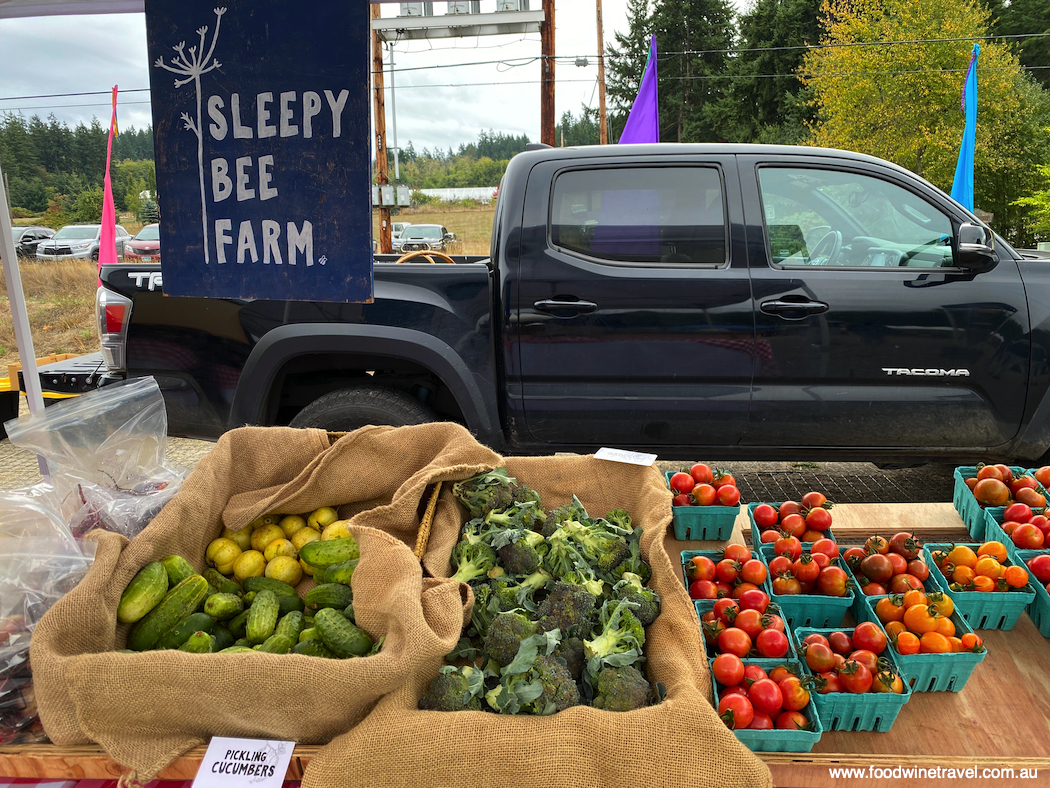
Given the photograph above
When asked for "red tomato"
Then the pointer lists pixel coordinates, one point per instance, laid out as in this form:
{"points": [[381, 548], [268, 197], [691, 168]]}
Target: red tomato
{"points": [[773, 621], [703, 589], [1040, 566], [750, 621], [991, 492], [765, 515], [990, 472], [722, 478], [766, 696], [820, 559], [1022, 482], [727, 570], [736, 711], [877, 567], [904, 544], [898, 562], [772, 643], [1031, 497], [840, 643], [832, 581], [900, 584], [811, 536], [827, 682], [712, 629], [703, 494], [779, 565], [753, 673], [739, 689], [815, 637], [1006, 471], [828, 547], [769, 536], [701, 473], [786, 585], [805, 569], [789, 507], [728, 669], [1028, 537], [819, 657], [917, 568], [813, 500], [682, 483], [871, 588], [753, 571], [682, 500], [877, 544], [855, 677], [819, 519], [794, 694], [737, 552], [700, 567], [853, 556], [794, 524], [1042, 522], [1018, 512], [792, 721], [866, 658], [761, 722], [742, 588], [788, 545], [781, 672], [725, 610], [728, 495], [724, 589], [753, 599], [733, 640]]}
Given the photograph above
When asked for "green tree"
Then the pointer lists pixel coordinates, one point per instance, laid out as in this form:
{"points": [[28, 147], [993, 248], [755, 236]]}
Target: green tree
{"points": [[578, 131], [17, 150], [902, 102], [1030, 19]]}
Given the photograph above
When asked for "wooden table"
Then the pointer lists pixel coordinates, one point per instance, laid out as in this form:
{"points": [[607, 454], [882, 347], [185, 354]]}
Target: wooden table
{"points": [[1001, 719]]}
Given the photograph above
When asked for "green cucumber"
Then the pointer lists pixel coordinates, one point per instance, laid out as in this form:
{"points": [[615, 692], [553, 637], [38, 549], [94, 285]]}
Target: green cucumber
{"points": [[328, 595], [343, 638], [178, 569], [222, 637], [339, 573], [286, 604], [143, 593], [237, 650], [290, 625], [222, 583], [262, 617], [321, 554], [261, 583], [197, 643], [178, 634], [178, 603], [223, 607], [313, 648], [277, 644]]}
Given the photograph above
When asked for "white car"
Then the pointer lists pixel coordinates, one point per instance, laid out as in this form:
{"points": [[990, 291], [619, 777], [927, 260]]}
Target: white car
{"points": [[396, 231], [80, 241]]}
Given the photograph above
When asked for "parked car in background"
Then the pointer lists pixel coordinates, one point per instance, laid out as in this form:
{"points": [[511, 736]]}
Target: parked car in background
{"points": [[432, 237], [397, 229], [145, 246], [80, 241], [27, 238]]}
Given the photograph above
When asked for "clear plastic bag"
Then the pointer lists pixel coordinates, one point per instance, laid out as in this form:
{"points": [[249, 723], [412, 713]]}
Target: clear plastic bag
{"points": [[105, 454]]}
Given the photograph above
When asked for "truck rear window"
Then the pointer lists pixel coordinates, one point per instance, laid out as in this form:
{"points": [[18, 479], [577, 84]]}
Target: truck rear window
{"points": [[641, 214]]}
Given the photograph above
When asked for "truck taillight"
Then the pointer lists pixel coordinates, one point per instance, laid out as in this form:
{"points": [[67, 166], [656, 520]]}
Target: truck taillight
{"points": [[112, 314]]}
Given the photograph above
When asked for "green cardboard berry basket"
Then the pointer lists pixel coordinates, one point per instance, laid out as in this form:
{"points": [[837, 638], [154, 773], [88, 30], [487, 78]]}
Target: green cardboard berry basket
{"points": [[981, 609], [1038, 608], [756, 530], [971, 512], [808, 610], [932, 672], [714, 555], [702, 522], [849, 711], [777, 740], [766, 663]]}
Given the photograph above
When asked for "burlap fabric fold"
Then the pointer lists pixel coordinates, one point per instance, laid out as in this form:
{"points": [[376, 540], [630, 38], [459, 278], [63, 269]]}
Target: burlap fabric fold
{"points": [[674, 743], [147, 709]]}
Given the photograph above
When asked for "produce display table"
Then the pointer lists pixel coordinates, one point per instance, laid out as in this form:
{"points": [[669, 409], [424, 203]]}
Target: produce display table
{"points": [[1001, 719]]}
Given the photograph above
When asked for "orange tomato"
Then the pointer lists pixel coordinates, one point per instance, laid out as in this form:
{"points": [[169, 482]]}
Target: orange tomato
{"points": [[934, 643], [995, 549], [988, 566], [945, 627], [942, 603], [907, 643], [972, 642], [961, 555], [920, 619], [915, 596], [957, 645], [963, 575], [1015, 576], [886, 610], [894, 628], [940, 558], [983, 584]]}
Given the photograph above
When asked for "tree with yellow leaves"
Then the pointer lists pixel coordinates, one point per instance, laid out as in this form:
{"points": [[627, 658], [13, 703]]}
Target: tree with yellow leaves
{"points": [[888, 82]]}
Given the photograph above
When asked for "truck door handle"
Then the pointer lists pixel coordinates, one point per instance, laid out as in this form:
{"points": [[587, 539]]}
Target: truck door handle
{"points": [[552, 305], [782, 308]]}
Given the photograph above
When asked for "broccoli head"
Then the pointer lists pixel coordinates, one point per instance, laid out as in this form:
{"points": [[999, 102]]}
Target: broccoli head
{"points": [[568, 608], [633, 562], [535, 681], [620, 639], [454, 689], [593, 539], [647, 601], [568, 563], [620, 520], [485, 492], [522, 494], [560, 514], [521, 551], [472, 560], [486, 607], [570, 651], [622, 688], [504, 636], [519, 515], [520, 592]]}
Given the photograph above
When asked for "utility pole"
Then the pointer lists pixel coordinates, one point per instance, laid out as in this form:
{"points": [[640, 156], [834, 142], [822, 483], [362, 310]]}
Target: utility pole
{"points": [[603, 131], [547, 88], [385, 240]]}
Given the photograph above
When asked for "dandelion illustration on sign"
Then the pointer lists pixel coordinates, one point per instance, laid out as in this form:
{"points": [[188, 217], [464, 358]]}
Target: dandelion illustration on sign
{"points": [[192, 67]]}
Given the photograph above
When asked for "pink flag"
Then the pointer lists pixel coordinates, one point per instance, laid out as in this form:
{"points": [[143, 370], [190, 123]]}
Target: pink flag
{"points": [[107, 253]]}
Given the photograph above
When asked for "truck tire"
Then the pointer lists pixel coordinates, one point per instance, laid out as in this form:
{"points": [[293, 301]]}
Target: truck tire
{"points": [[347, 409]]}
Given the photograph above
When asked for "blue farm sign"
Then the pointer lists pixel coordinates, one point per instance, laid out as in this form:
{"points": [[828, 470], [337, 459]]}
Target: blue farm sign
{"points": [[262, 136]]}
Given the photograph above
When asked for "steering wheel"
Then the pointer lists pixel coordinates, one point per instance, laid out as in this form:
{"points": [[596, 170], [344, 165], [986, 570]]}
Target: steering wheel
{"points": [[425, 253], [833, 242]]}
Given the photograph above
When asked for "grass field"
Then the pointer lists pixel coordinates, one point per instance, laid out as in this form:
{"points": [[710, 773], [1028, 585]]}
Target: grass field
{"points": [[472, 226]]}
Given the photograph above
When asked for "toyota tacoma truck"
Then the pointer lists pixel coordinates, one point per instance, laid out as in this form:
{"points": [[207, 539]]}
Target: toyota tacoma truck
{"points": [[723, 301]]}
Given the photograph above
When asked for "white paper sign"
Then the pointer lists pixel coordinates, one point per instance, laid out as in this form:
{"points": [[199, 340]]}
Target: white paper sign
{"points": [[621, 455], [237, 763]]}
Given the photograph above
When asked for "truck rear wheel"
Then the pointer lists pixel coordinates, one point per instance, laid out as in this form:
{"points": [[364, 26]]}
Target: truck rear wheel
{"points": [[347, 409]]}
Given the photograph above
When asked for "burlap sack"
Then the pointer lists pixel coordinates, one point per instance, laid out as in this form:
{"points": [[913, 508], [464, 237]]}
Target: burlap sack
{"points": [[147, 709], [679, 742]]}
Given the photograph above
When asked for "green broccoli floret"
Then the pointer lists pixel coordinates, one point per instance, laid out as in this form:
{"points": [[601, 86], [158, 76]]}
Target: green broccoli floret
{"points": [[486, 607], [568, 608], [570, 651], [560, 514], [633, 562], [566, 561], [593, 539], [535, 682], [621, 521], [504, 636], [486, 491], [520, 592], [520, 515], [647, 601], [454, 689], [472, 560], [619, 641], [520, 552], [622, 688], [523, 494]]}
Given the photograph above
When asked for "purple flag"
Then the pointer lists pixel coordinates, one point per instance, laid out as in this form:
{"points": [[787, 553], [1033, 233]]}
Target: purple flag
{"points": [[643, 124]]}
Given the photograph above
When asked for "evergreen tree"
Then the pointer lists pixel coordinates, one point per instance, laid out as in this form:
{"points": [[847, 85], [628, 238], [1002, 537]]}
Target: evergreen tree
{"points": [[16, 146], [1026, 18], [578, 131]]}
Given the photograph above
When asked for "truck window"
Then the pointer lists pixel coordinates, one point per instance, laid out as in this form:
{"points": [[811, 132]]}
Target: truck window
{"points": [[850, 219], [659, 215]]}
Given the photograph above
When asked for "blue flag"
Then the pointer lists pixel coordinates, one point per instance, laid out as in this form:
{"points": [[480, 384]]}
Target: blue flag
{"points": [[962, 186], [643, 123]]}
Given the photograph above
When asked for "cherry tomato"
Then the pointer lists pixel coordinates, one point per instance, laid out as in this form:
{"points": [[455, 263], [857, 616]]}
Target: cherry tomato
{"points": [[934, 643], [828, 547], [703, 589], [724, 589], [898, 562], [972, 642], [753, 599], [832, 581], [786, 585], [890, 609], [805, 569], [753, 673], [682, 483], [1042, 475], [915, 596], [1028, 537], [792, 721], [920, 619], [728, 669], [765, 515], [1031, 497], [907, 643], [855, 677], [701, 473], [871, 588], [853, 556], [742, 588], [736, 711], [1018, 512], [789, 507], [819, 657], [813, 500], [727, 570], [766, 696], [682, 500], [781, 672], [1006, 471], [991, 492], [723, 478], [769, 536], [712, 629], [818, 519], [828, 682], [990, 472], [726, 609], [794, 524], [906, 545], [877, 567], [942, 604], [902, 583], [840, 642], [887, 681], [1042, 522], [876, 544], [811, 536], [703, 494], [1040, 566], [869, 636], [734, 640], [739, 689], [820, 559], [789, 546], [815, 637], [750, 621], [780, 564], [794, 694], [728, 495], [753, 571], [1015, 577], [772, 643], [917, 568], [761, 722], [737, 552], [773, 621], [700, 567]]}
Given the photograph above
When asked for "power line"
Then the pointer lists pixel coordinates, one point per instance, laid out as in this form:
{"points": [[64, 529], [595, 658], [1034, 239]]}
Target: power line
{"points": [[68, 106]]}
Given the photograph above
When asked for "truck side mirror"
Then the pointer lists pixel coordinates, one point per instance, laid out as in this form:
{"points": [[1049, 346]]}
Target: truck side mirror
{"points": [[976, 250]]}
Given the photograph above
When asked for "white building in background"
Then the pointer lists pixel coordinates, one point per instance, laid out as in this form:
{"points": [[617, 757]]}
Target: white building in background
{"points": [[484, 194]]}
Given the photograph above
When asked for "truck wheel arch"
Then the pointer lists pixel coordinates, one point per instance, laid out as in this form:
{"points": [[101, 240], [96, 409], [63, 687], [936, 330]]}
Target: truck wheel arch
{"points": [[284, 344]]}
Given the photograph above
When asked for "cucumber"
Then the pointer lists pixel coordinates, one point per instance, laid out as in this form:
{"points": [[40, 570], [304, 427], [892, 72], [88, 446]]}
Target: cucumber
{"points": [[342, 638], [313, 648], [290, 625], [262, 617], [179, 633], [237, 624], [242, 643], [277, 644], [339, 573], [222, 583], [222, 637], [261, 583], [197, 643], [322, 555], [328, 595], [308, 633], [178, 569], [143, 593], [178, 603], [237, 650], [223, 607], [348, 611], [286, 604]]}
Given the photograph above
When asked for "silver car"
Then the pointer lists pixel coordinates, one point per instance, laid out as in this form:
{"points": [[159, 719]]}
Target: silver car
{"points": [[432, 237], [79, 241]]}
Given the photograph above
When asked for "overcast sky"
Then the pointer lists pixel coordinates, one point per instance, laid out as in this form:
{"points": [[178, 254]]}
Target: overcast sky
{"points": [[435, 108]]}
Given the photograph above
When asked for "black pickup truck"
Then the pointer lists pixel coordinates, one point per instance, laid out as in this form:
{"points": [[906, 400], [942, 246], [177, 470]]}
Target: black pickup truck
{"points": [[723, 301]]}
